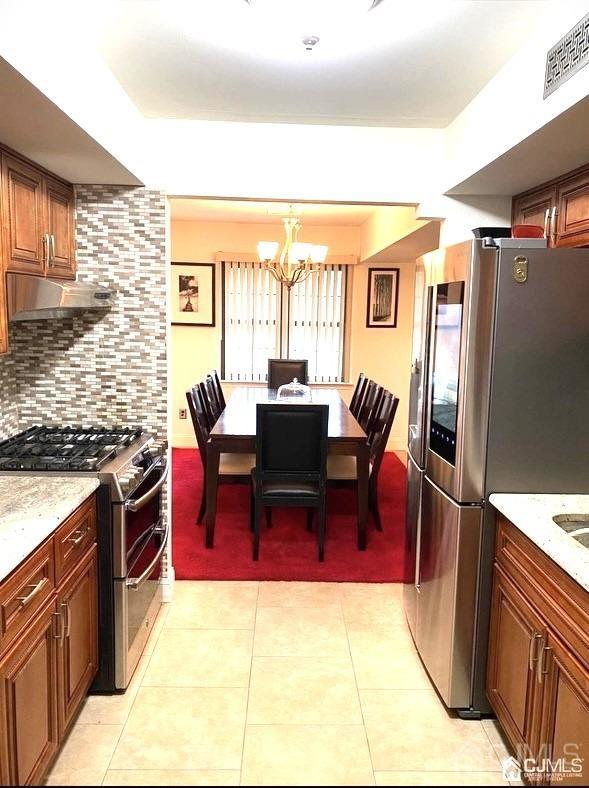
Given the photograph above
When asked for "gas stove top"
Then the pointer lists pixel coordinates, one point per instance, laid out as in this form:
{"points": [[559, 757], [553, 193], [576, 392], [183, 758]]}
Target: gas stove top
{"points": [[71, 448]]}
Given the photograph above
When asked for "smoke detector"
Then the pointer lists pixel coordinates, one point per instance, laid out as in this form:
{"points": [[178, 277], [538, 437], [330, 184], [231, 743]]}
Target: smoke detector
{"points": [[309, 42]]}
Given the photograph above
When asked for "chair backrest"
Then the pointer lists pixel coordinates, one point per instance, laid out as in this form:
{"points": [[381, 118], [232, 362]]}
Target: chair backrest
{"points": [[218, 389], [207, 404], [283, 370], [358, 394], [381, 428], [291, 440], [200, 421], [214, 404], [370, 405]]}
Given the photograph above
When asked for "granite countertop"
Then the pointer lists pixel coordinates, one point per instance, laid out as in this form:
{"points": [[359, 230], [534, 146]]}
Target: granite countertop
{"points": [[31, 508], [533, 514]]}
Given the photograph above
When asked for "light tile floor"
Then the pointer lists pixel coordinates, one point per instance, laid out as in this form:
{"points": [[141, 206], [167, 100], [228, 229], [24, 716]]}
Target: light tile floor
{"points": [[279, 684]]}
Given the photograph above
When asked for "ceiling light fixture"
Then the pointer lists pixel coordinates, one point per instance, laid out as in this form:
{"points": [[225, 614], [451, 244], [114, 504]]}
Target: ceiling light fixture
{"points": [[297, 260]]}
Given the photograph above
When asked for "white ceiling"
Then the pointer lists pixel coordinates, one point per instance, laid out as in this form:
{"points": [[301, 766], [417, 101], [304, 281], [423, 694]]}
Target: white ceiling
{"points": [[259, 212], [405, 63]]}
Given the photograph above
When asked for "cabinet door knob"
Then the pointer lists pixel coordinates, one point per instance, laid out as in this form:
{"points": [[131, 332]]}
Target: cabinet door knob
{"points": [[547, 223], [52, 249]]}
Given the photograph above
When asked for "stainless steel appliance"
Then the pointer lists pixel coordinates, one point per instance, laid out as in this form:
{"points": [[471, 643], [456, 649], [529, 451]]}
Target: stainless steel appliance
{"points": [[37, 298], [499, 403], [132, 537]]}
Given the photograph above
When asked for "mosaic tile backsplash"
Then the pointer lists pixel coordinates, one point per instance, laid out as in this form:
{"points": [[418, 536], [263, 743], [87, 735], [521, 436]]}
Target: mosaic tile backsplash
{"points": [[99, 369]]}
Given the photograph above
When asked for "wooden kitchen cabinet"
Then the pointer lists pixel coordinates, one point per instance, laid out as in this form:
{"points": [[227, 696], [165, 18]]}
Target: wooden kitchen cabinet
{"points": [[565, 717], [560, 206], [49, 652], [78, 651], [61, 260], [37, 226], [536, 207], [38, 219], [25, 243], [573, 211], [538, 665], [28, 703], [515, 638]]}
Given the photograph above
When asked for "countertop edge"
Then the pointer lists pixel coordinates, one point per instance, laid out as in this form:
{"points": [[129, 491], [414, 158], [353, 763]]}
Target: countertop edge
{"points": [[532, 515], [23, 529]]}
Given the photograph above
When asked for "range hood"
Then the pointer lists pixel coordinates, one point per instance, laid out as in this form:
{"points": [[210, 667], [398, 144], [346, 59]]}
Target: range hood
{"points": [[36, 298]]}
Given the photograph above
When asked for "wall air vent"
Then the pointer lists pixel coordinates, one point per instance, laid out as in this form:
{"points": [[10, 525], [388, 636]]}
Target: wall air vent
{"points": [[567, 57]]}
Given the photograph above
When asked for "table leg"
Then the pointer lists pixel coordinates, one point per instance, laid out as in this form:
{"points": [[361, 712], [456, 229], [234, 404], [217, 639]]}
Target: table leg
{"points": [[362, 468], [212, 482]]}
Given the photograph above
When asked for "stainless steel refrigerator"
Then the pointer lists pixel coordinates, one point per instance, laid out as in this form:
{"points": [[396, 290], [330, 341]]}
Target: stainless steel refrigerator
{"points": [[499, 403]]}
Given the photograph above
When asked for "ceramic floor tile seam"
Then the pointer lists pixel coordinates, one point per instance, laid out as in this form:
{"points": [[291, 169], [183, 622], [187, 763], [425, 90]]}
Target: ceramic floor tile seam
{"points": [[206, 629], [249, 687], [359, 698], [493, 745]]}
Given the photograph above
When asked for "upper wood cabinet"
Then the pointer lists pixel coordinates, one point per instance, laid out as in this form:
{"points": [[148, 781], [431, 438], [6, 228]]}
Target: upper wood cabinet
{"points": [[61, 261], [37, 226], [536, 208], [38, 221], [573, 211], [561, 207], [24, 217]]}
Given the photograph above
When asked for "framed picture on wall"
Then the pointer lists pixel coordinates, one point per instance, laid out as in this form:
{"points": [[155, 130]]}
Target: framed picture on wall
{"points": [[383, 297], [193, 294]]}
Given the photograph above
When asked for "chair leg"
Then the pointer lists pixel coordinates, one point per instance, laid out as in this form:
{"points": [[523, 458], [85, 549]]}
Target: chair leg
{"points": [[373, 503], [321, 532], [203, 506], [310, 513], [268, 511], [256, 545]]}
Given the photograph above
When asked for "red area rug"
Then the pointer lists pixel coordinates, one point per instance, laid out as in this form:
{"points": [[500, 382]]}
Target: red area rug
{"points": [[287, 550]]}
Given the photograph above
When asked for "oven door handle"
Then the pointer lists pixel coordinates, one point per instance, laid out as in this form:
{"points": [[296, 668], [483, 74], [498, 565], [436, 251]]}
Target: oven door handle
{"points": [[136, 582], [135, 506]]}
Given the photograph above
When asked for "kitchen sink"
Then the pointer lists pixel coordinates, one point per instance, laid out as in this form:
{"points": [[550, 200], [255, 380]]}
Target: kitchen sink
{"points": [[575, 525]]}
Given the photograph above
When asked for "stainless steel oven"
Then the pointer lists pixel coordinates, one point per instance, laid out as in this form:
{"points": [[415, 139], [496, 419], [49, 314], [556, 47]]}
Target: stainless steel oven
{"points": [[140, 537]]}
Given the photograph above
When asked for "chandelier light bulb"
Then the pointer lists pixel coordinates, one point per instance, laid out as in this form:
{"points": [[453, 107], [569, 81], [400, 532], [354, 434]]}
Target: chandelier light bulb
{"points": [[267, 250], [318, 254]]}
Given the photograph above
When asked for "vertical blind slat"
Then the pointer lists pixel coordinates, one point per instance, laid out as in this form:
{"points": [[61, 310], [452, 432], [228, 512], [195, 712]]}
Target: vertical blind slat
{"points": [[253, 321]]}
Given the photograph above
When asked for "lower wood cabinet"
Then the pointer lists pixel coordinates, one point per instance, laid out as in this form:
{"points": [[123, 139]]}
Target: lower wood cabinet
{"points": [[538, 671], [28, 703], [47, 669], [78, 650]]}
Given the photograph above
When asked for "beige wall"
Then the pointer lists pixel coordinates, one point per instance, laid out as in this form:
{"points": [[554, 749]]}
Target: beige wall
{"points": [[381, 353]]}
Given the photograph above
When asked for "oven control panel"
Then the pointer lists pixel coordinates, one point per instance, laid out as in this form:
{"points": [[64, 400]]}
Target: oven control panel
{"points": [[132, 474]]}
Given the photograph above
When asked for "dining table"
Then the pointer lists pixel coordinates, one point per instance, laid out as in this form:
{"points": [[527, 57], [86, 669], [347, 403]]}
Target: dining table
{"points": [[235, 431]]}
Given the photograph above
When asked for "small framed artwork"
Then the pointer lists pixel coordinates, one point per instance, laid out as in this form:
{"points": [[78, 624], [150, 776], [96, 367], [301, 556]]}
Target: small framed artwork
{"points": [[193, 294], [383, 297]]}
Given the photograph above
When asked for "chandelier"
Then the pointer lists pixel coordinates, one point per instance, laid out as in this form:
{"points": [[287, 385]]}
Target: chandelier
{"points": [[297, 260]]}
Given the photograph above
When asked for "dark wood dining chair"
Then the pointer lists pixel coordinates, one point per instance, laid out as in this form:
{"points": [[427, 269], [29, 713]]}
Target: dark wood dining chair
{"points": [[291, 463], [358, 394], [218, 389], [341, 469], [284, 370], [210, 403], [234, 468], [370, 404]]}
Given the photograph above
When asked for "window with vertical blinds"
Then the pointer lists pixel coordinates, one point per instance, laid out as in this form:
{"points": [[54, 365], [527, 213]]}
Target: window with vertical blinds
{"points": [[262, 320]]}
